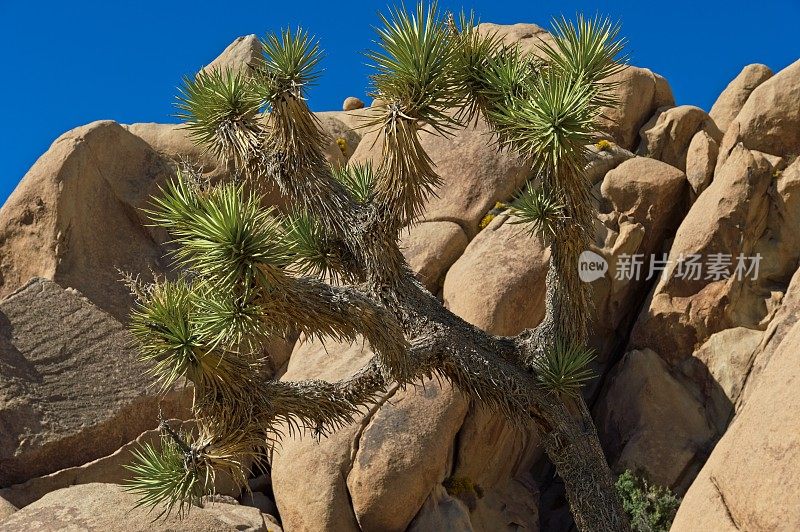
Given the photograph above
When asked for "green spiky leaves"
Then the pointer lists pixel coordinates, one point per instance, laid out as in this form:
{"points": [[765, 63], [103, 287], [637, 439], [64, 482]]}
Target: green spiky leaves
{"points": [[291, 63], [563, 368], [359, 180], [588, 48], [539, 210], [220, 109], [166, 477], [166, 337], [224, 233], [552, 125], [414, 66]]}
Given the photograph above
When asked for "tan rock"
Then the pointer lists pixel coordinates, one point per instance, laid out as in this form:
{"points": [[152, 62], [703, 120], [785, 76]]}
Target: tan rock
{"points": [[405, 447], [6, 509], [498, 283], [60, 406], [683, 312], [528, 37], [604, 157], [725, 360], [346, 129], [770, 118], [107, 470], [750, 480], [100, 507], [441, 513], [402, 446], [647, 191], [431, 248], [243, 55], [474, 175], [667, 135], [733, 98], [351, 103], [648, 420], [172, 142], [321, 501], [75, 217], [639, 92], [701, 157]]}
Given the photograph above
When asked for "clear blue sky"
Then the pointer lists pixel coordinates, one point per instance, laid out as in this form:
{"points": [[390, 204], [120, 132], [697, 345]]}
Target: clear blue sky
{"points": [[66, 63]]}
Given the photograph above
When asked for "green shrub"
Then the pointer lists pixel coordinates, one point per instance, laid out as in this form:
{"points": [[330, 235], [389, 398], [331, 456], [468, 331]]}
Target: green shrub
{"points": [[651, 508]]}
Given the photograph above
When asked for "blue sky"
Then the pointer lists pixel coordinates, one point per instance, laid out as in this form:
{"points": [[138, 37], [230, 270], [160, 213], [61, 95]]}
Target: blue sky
{"points": [[70, 63]]}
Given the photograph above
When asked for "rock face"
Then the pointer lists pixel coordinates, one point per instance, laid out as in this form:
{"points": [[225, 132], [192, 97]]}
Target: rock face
{"points": [[243, 55], [75, 217], [639, 92], [750, 480], [668, 134], [731, 218], [770, 118], [498, 283], [60, 404], [98, 507], [474, 175], [431, 248], [649, 419], [733, 98], [107, 470], [403, 445]]}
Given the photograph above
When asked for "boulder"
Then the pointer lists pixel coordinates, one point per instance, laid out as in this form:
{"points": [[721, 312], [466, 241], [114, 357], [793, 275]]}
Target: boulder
{"points": [[71, 388], [107, 470], [498, 283], [345, 129], [353, 479], [667, 135], [351, 103], [474, 174], [529, 38], [750, 481], [173, 143], [701, 157], [733, 98], [243, 55], [730, 218], [405, 447], [649, 421], [639, 93], [6, 509], [770, 118], [76, 216], [719, 369], [431, 248], [648, 191], [99, 507], [442, 513]]}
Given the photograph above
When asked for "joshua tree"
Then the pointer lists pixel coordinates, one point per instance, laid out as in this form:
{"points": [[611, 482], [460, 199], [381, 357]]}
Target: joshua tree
{"points": [[331, 268]]}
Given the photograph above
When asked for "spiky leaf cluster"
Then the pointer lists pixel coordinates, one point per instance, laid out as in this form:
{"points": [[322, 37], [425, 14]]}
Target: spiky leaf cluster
{"points": [[413, 66], [162, 479], [563, 368], [224, 233], [220, 108], [291, 64], [539, 210], [358, 178]]}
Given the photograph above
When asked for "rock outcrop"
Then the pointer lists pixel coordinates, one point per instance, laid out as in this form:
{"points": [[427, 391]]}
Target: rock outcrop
{"points": [[733, 98], [97, 507], [76, 216], [71, 388]]}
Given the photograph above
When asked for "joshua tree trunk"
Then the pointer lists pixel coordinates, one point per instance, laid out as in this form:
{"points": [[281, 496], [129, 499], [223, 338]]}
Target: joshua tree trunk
{"points": [[252, 273]]}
